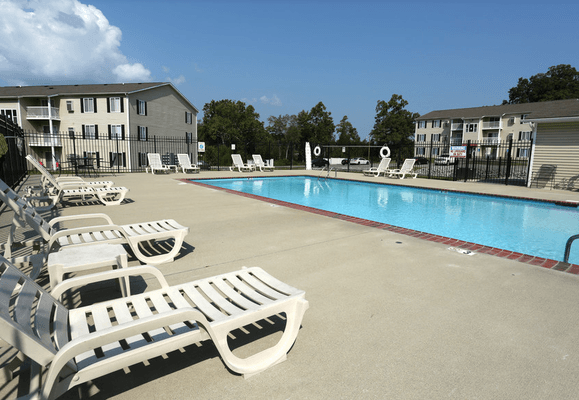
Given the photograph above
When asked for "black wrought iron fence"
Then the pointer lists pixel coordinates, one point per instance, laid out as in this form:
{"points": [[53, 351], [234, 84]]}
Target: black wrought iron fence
{"points": [[491, 161], [12, 152]]}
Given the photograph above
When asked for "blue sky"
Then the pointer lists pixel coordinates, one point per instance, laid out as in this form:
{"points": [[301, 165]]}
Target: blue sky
{"points": [[286, 56]]}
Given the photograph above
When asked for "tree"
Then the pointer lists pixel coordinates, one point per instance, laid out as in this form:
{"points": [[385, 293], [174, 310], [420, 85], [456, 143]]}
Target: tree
{"points": [[284, 129], [394, 126], [317, 125], [559, 83], [347, 134]]}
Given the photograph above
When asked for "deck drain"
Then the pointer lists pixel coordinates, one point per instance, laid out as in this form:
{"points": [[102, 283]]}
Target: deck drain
{"points": [[462, 251]]}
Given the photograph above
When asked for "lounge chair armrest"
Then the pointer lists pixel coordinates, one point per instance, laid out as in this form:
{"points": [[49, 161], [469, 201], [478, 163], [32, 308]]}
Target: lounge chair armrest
{"points": [[140, 270], [86, 229], [81, 216]]}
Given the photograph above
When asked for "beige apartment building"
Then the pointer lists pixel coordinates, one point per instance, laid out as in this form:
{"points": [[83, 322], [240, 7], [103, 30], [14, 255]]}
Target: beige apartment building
{"points": [[553, 126], [108, 122]]}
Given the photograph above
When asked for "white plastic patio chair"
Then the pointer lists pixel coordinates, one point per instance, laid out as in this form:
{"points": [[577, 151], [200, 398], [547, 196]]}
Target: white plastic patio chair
{"points": [[155, 164], [185, 163], [239, 165], [380, 169], [258, 161], [69, 347], [406, 169]]}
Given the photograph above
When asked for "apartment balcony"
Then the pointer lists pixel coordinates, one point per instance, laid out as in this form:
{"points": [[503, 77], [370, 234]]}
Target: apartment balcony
{"points": [[491, 124], [44, 140], [42, 113], [457, 127], [455, 141]]}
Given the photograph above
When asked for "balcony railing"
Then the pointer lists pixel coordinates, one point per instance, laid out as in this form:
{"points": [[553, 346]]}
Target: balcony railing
{"points": [[457, 127], [491, 124], [42, 113], [44, 140]]}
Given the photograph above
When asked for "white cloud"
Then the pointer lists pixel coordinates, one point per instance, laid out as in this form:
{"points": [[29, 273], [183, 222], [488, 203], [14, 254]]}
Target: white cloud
{"points": [[274, 101], [61, 40], [177, 81]]}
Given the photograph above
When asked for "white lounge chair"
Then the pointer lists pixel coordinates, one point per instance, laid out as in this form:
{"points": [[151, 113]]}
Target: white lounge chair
{"points": [[155, 164], [54, 192], [185, 163], [406, 169], [65, 181], [258, 161], [69, 347], [239, 165], [380, 169], [134, 235]]}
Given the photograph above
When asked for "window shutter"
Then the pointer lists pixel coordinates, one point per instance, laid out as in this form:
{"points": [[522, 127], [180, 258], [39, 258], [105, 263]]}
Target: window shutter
{"points": [[98, 159], [110, 133], [145, 108], [108, 104], [95, 104], [96, 131], [81, 105], [147, 133], [83, 134], [124, 160], [122, 132], [122, 100]]}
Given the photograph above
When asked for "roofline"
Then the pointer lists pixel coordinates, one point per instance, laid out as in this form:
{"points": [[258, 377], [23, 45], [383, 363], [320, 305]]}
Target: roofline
{"points": [[548, 120]]}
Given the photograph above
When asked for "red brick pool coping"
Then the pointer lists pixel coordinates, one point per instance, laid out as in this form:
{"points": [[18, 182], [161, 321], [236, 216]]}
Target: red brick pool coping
{"points": [[511, 255]]}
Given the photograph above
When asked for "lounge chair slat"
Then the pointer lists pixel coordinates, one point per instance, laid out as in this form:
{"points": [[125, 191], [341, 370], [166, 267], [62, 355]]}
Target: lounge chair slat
{"points": [[102, 321], [123, 315], [248, 290], [42, 319], [202, 304], [23, 306], [218, 298], [272, 282], [161, 305], [237, 298], [142, 309], [178, 299], [87, 238], [260, 286], [78, 328], [8, 281]]}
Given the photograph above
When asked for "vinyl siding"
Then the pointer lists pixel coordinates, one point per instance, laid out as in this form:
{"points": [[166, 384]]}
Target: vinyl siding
{"points": [[558, 144]]}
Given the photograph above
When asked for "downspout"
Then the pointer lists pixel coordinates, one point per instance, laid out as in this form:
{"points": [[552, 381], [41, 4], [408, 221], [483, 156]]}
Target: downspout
{"points": [[51, 133], [128, 133], [532, 156]]}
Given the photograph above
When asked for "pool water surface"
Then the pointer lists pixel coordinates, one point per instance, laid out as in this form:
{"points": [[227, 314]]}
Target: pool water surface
{"points": [[539, 229]]}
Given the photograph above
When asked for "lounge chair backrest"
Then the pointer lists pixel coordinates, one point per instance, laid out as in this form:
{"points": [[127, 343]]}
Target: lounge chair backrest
{"points": [[184, 160], [258, 160], [237, 160], [154, 160], [384, 163], [31, 319], [45, 173], [408, 165], [24, 211]]}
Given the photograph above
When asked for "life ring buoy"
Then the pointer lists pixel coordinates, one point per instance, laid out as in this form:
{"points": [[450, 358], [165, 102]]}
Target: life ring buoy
{"points": [[317, 151], [387, 149]]}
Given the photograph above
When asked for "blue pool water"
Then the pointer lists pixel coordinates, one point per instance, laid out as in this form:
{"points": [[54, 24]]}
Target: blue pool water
{"points": [[529, 227]]}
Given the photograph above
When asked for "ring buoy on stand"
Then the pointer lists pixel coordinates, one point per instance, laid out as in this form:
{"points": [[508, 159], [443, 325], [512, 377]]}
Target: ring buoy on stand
{"points": [[317, 151], [385, 149]]}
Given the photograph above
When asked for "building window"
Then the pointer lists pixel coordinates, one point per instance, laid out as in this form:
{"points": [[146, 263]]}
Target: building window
{"points": [[525, 135], [523, 153], [116, 132], [421, 124], [142, 159], [188, 117], [471, 128], [420, 151], [188, 137], [88, 105], [141, 107], [69, 106], [435, 151], [90, 132], [436, 123], [421, 137], [523, 117], [10, 114], [115, 105], [435, 137], [143, 133], [117, 159]]}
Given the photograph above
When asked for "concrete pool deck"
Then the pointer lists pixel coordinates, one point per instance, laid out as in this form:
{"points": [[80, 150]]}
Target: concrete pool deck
{"points": [[391, 315]]}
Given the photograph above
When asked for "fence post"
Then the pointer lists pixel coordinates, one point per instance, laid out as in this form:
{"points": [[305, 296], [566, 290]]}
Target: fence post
{"points": [[468, 157], [508, 171]]}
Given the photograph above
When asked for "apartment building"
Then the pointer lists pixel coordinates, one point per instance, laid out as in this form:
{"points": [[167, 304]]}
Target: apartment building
{"points": [[553, 126], [126, 113]]}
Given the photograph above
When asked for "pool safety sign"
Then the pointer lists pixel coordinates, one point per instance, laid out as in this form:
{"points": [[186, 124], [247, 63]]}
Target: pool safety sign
{"points": [[457, 151], [201, 147]]}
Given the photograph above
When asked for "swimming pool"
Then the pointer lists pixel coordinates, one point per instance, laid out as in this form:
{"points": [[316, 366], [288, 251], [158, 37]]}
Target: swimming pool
{"points": [[535, 228]]}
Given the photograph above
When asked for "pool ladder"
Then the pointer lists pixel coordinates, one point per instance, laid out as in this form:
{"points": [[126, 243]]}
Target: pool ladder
{"points": [[330, 169], [568, 247]]}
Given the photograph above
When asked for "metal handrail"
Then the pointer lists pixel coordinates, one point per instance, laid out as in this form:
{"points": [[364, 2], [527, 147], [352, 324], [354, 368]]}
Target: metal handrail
{"points": [[568, 247]]}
